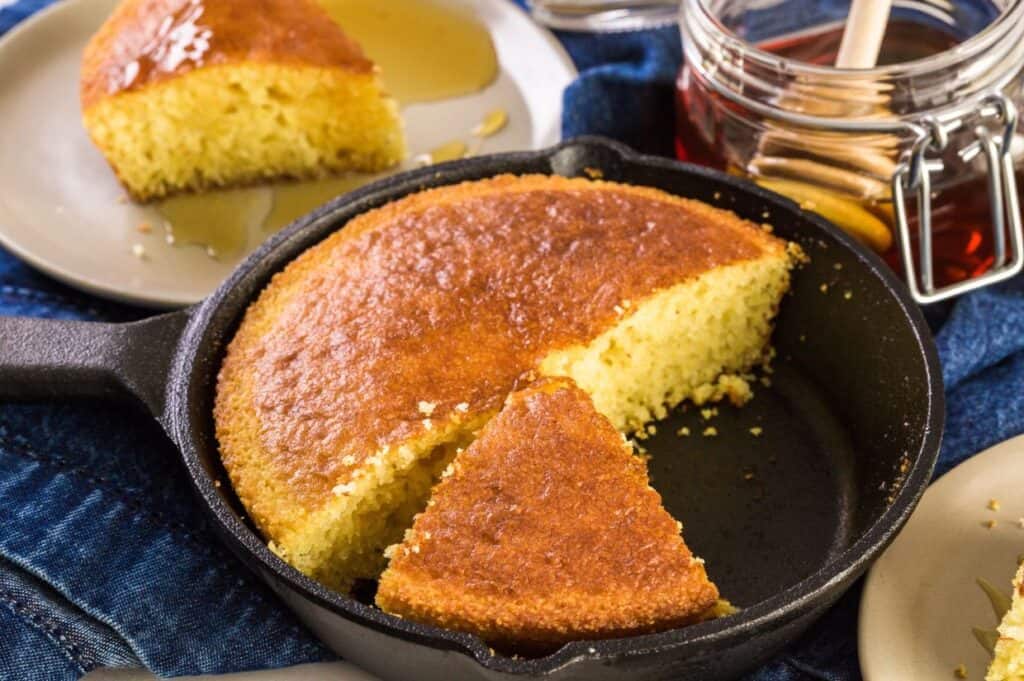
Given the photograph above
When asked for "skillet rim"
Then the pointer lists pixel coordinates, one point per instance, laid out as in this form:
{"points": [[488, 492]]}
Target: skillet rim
{"points": [[214, 320]]}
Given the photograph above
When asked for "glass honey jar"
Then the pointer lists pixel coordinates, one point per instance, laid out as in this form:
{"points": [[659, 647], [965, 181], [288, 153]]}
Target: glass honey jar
{"points": [[917, 157]]}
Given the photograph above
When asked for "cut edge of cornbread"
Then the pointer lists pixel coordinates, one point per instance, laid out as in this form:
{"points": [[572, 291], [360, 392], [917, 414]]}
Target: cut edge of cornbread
{"points": [[345, 540], [585, 476], [680, 343], [237, 124], [684, 342], [1008, 663]]}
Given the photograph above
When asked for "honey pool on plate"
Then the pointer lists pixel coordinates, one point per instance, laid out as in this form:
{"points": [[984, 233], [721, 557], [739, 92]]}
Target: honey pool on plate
{"points": [[223, 222], [427, 51]]}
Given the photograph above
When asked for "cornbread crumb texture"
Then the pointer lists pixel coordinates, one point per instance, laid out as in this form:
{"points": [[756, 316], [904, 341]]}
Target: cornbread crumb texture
{"points": [[546, 531], [243, 100], [447, 301], [1008, 664]]}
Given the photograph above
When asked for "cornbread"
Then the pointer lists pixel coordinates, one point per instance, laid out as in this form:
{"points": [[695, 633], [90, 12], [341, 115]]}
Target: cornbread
{"points": [[184, 95], [454, 297], [1008, 664], [543, 531]]}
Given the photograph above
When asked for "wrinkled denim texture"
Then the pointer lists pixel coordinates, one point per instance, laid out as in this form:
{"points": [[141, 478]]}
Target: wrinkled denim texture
{"points": [[106, 561]]}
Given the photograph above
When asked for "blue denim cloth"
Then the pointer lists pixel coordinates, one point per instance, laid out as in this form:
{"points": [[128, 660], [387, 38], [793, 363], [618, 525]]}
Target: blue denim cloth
{"points": [[106, 561]]}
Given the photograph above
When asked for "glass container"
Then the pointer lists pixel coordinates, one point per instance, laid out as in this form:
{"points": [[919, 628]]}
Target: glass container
{"points": [[916, 157]]}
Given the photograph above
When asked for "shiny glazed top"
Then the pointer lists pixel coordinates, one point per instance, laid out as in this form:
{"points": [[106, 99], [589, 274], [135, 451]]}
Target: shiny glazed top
{"points": [[449, 297], [148, 41]]}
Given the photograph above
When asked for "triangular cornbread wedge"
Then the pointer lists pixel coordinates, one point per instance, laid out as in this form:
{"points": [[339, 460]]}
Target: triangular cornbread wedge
{"points": [[546, 530], [184, 95]]}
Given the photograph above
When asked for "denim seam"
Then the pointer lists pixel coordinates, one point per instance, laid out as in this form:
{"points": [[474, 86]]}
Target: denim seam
{"points": [[48, 628], [212, 548], [110, 487], [805, 669], [45, 297]]}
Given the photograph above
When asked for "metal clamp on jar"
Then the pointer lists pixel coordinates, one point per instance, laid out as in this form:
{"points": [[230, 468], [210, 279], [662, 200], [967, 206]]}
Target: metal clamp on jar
{"points": [[916, 157]]}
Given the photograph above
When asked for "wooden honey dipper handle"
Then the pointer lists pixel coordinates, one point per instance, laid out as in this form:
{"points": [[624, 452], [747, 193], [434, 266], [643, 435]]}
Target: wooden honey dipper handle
{"points": [[862, 37]]}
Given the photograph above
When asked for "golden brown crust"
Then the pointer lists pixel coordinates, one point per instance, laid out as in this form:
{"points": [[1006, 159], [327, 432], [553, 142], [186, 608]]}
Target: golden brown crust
{"points": [[445, 297], [147, 41], [545, 531]]}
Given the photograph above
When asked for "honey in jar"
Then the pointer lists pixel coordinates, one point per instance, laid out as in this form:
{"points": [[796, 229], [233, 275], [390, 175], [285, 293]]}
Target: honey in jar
{"points": [[758, 97]]}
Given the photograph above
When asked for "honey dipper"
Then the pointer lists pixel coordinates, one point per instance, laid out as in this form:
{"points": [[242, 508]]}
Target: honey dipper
{"points": [[774, 167]]}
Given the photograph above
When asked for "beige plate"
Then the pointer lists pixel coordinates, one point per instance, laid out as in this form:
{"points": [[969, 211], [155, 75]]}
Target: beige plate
{"points": [[921, 599], [59, 206]]}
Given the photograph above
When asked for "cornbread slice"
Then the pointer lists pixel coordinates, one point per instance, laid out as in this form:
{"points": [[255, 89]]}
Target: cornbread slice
{"points": [[183, 95], [545, 530], [1008, 664], [374, 355]]}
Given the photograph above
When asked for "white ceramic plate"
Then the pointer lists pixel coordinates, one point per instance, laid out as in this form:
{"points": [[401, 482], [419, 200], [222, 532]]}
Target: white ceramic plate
{"points": [[59, 201], [921, 598]]}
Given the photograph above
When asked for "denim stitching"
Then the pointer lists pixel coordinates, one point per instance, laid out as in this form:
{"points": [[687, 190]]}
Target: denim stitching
{"points": [[51, 630], [245, 580], [805, 669]]}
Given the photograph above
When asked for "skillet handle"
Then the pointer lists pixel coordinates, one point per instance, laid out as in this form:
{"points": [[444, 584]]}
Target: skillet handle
{"points": [[42, 358]]}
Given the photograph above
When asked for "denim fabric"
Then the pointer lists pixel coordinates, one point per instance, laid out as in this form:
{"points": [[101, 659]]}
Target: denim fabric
{"points": [[625, 88], [106, 561], [71, 641], [13, 11], [96, 504]]}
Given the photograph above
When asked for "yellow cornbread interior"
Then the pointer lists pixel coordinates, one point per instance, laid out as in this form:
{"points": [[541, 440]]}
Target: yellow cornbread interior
{"points": [[243, 123], [1008, 664], [675, 345], [678, 343], [345, 540]]}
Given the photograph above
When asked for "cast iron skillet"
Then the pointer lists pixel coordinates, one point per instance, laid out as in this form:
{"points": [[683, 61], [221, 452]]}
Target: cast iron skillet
{"points": [[787, 521]]}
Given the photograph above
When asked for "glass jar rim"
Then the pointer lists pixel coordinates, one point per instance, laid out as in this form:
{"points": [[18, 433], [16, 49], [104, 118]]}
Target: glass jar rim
{"points": [[976, 45]]}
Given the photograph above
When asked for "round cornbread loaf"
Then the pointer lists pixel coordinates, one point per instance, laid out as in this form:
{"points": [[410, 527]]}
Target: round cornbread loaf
{"points": [[374, 356]]}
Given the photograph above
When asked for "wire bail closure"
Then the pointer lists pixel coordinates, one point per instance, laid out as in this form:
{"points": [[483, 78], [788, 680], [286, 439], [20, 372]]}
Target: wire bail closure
{"points": [[913, 174]]}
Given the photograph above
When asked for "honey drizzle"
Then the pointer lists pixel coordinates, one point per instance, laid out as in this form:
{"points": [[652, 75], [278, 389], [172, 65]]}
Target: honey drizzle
{"points": [[493, 123], [219, 221], [292, 201], [426, 52], [180, 38]]}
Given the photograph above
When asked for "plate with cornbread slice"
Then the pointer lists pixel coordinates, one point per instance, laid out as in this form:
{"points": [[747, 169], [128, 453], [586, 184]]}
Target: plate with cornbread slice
{"points": [[945, 601], [150, 145]]}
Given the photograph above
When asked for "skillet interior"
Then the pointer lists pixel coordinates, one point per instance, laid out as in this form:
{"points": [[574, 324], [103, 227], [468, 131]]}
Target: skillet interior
{"points": [[851, 422]]}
